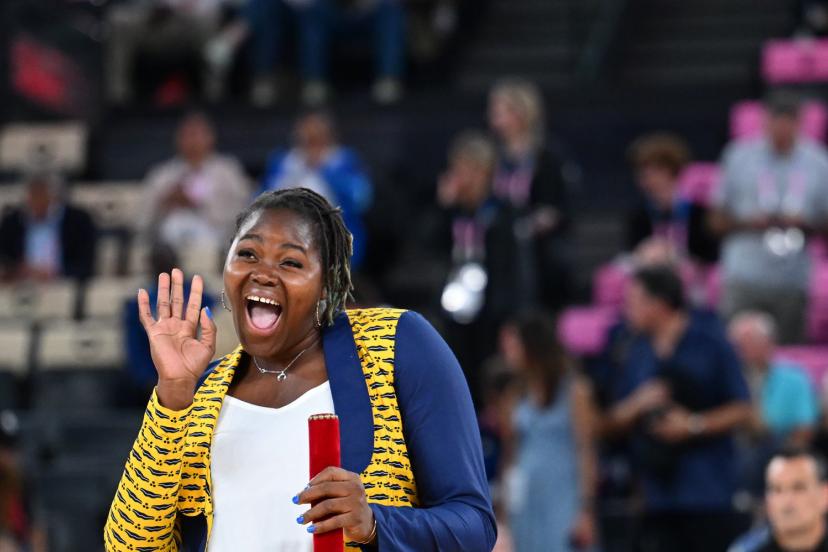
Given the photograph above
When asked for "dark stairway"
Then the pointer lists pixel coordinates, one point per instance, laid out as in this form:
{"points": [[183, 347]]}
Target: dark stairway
{"points": [[536, 39], [700, 43]]}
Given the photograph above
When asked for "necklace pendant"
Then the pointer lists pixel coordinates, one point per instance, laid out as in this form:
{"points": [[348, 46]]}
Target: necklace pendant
{"points": [[281, 377]]}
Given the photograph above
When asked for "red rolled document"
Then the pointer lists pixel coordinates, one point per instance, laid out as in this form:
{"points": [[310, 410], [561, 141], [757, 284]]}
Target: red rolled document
{"points": [[323, 431]]}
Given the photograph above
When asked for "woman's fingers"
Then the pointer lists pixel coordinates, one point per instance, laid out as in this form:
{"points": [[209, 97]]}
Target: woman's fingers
{"points": [[337, 522], [163, 303], [144, 310], [332, 473], [208, 329], [177, 298], [328, 489], [328, 508], [194, 302]]}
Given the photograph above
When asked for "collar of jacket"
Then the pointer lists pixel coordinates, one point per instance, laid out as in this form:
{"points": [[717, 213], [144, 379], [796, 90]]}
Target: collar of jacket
{"points": [[351, 402]]}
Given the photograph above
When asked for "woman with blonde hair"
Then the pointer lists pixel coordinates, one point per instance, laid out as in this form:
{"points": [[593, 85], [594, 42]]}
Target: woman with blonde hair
{"points": [[533, 178]]}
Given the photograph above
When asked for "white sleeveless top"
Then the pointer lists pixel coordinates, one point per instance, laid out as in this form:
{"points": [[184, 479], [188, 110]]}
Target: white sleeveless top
{"points": [[259, 463]]}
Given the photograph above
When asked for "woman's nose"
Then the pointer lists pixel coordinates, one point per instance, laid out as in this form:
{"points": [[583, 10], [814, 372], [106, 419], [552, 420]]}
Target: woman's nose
{"points": [[264, 278]]}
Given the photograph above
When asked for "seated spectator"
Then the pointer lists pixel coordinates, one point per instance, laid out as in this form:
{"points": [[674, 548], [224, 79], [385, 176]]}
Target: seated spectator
{"points": [[193, 198], [658, 160], [179, 30], [771, 200], [785, 403], [46, 237], [317, 161], [680, 396], [796, 498], [319, 22], [550, 448], [533, 178], [141, 373]]}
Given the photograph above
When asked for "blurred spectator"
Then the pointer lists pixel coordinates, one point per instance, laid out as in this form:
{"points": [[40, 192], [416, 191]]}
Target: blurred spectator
{"points": [[797, 502], [319, 22], [18, 532], [551, 447], [658, 160], [46, 237], [466, 248], [193, 199], [679, 397], [785, 404], [168, 30], [531, 177], [317, 161], [141, 372], [772, 198]]}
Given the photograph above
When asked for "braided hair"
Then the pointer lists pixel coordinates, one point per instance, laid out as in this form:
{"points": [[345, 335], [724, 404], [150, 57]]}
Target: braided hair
{"points": [[334, 240]]}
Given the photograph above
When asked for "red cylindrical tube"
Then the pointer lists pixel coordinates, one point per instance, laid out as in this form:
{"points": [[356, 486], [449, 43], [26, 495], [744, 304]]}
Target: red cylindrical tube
{"points": [[323, 431]]}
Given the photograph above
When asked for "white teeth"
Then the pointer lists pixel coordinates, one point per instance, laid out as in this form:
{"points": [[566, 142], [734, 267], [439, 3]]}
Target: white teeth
{"points": [[264, 300]]}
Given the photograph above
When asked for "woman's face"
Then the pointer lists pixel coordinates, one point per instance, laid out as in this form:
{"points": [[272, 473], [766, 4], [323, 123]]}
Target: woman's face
{"points": [[504, 119], [273, 280]]}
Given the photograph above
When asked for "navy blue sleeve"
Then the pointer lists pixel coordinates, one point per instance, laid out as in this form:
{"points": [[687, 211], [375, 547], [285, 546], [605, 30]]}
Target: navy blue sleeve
{"points": [[443, 440], [732, 384]]}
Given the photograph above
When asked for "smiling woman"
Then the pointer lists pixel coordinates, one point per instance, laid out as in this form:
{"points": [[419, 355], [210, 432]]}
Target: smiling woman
{"points": [[221, 460]]}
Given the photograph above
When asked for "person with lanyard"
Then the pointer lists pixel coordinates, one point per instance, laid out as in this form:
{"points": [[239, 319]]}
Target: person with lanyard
{"points": [[469, 242], [221, 460], [772, 200], [532, 178], [658, 160]]}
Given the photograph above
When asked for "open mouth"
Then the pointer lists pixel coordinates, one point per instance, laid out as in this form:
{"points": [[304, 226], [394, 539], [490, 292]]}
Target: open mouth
{"points": [[263, 313]]}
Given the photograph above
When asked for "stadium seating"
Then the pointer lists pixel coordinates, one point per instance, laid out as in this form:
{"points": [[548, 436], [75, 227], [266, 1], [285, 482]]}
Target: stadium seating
{"points": [[42, 302]]}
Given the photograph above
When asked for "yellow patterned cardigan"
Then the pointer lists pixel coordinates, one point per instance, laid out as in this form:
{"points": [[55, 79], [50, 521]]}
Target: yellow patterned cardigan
{"points": [[168, 471]]}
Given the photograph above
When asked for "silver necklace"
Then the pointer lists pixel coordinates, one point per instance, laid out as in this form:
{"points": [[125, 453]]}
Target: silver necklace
{"points": [[281, 375]]}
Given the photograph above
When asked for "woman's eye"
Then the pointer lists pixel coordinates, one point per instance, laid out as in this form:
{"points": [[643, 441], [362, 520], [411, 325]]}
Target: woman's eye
{"points": [[246, 254], [291, 263]]}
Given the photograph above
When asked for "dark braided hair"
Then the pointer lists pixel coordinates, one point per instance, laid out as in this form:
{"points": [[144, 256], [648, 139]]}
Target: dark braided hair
{"points": [[334, 240]]}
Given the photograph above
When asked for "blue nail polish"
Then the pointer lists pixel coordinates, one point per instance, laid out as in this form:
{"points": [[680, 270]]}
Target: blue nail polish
{"points": [[311, 528], [300, 520], [296, 499], [209, 313]]}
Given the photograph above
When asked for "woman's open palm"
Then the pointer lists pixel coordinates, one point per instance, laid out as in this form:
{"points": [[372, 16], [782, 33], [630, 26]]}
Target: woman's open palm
{"points": [[178, 353]]}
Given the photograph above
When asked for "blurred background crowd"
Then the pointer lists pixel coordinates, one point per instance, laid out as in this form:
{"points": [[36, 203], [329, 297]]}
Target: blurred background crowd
{"points": [[615, 212]]}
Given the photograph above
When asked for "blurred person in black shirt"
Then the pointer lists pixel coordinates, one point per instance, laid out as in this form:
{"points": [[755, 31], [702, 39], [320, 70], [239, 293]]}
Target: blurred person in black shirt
{"points": [[533, 178], [466, 247], [46, 237], [796, 497], [658, 160]]}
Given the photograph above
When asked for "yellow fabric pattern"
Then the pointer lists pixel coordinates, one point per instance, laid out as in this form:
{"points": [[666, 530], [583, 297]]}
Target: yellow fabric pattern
{"points": [[168, 470], [388, 479]]}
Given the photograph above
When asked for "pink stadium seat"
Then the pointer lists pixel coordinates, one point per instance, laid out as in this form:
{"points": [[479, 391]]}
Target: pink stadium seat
{"points": [[819, 60], [583, 330], [698, 181], [814, 120], [788, 61], [609, 284], [817, 314], [813, 358], [747, 120]]}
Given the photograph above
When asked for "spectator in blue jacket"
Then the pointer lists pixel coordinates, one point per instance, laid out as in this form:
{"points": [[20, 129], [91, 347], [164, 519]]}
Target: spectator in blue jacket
{"points": [[318, 162]]}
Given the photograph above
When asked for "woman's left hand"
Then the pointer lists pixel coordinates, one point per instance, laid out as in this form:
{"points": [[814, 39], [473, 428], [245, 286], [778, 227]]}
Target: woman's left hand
{"points": [[341, 503]]}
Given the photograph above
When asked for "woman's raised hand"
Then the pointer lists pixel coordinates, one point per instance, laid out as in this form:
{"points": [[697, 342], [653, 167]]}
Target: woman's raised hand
{"points": [[179, 355]]}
